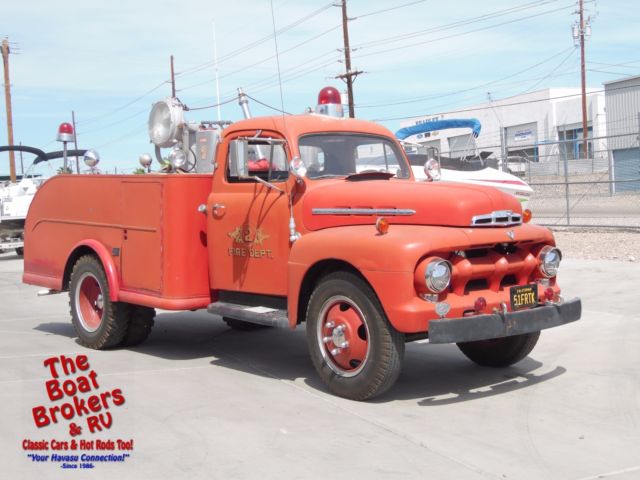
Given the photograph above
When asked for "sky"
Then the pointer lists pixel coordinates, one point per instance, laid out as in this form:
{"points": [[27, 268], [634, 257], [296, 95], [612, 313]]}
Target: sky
{"points": [[109, 61]]}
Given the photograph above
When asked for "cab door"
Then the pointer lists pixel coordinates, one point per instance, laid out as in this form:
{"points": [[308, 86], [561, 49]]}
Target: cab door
{"points": [[247, 221]]}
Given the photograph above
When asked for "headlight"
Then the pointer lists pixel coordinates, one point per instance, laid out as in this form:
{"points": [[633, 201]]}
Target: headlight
{"points": [[549, 258], [432, 169], [165, 122], [437, 275], [177, 158]]}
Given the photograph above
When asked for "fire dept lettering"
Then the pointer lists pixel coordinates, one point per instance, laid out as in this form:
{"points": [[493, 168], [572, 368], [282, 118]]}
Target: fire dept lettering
{"points": [[249, 239]]}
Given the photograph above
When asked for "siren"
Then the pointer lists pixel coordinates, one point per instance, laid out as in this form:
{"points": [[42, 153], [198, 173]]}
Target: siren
{"points": [[65, 132], [330, 102]]}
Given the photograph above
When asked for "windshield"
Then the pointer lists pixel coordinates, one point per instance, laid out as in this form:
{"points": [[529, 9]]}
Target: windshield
{"points": [[342, 154]]}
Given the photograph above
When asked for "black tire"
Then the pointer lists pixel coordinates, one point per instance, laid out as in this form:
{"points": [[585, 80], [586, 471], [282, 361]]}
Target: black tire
{"points": [[242, 326], [140, 325], [500, 352], [99, 322], [20, 251], [370, 363]]}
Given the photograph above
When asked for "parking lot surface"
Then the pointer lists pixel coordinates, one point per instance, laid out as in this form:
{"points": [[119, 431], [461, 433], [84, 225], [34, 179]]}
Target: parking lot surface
{"points": [[204, 401]]}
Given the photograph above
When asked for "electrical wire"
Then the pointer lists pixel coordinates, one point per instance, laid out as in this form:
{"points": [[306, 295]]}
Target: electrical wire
{"points": [[564, 60], [449, 26], [255, 43], [264, 60], [190, 109], [457, 92], [115, 110], [268, 106], [526, 102], [384, 10], [460, 34]]}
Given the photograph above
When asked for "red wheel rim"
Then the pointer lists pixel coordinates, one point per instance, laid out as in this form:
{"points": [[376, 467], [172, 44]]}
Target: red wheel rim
{"points": [[89, 302], [343, 336]]}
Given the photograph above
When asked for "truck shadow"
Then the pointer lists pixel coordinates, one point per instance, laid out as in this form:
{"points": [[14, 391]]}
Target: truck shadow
{"points": [[433, 375]]}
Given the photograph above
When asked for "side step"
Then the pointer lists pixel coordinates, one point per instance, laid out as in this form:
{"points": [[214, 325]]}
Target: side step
{"points": [[271, 317]]}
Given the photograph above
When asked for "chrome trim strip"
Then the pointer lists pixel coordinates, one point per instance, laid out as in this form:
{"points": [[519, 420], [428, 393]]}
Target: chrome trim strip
{"points": [[363, 211], [503, 218]]}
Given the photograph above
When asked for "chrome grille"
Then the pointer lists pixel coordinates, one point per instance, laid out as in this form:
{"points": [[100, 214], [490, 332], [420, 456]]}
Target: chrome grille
{"points": [[498, 218]]}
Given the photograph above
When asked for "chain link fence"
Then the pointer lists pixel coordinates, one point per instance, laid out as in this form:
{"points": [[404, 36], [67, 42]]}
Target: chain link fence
{"points": [[599, 189]]}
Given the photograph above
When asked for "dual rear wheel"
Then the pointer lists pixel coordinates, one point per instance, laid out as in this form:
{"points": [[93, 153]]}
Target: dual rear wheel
{"points": [[99, 322]]}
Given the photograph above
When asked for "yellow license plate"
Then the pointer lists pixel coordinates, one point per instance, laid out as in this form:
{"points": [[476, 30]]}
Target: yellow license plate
{"points": [[523, 296]]}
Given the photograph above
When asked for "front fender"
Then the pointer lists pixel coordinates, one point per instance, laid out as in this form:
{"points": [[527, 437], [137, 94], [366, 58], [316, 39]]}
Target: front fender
{"points": [[388, 261]]}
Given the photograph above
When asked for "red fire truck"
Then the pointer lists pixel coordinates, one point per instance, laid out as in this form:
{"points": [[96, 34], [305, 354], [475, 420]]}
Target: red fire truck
{"points": [[280, 223]]}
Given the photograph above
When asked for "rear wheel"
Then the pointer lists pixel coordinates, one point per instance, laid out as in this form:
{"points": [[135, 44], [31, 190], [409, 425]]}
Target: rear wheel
{"points": [[500, 352], [139, 327], [354, 349], [99, 322], [20, 251]]}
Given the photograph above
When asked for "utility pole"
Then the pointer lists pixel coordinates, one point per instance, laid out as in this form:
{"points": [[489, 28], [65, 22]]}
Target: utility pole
{"points": [[75, 139], [585, 131], [348, 76], [173, 80], [7, 99]]}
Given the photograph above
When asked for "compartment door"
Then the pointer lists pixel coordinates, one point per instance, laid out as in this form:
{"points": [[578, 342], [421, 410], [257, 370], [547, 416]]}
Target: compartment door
{"points": [[141, 207]]}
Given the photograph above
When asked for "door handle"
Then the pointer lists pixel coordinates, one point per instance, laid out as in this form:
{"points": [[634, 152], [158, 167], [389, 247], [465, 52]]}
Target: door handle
{"points": [[217, 209]]}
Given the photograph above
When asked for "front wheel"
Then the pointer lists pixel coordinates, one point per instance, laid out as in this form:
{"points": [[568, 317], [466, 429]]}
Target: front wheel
{"points": [[20, 251], [354, 349], [99, 322], [500, 352]]}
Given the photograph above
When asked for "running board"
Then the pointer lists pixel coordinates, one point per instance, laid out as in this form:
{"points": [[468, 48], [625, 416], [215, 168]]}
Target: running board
{"points": [[271, 317]]}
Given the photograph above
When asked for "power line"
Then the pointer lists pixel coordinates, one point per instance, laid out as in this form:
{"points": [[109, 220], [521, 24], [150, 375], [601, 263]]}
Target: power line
{"points": [[532, 87], [525, 102], [483, 85], [446, 37], [449, 26], [256, 43], [384, 10], [115, 110], [264, 60]]}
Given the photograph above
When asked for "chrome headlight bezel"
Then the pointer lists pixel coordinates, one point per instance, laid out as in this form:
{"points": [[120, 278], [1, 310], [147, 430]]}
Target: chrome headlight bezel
{"points": [[437, 275], [549, 260]]}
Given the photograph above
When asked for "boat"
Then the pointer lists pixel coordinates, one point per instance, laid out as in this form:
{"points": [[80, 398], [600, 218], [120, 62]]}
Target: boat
{"points": [[475, 169]]}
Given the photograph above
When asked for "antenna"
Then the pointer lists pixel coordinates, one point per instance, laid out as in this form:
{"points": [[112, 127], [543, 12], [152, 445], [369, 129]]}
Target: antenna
{"points": [[275, 41], [293, 234], [215, 62]]}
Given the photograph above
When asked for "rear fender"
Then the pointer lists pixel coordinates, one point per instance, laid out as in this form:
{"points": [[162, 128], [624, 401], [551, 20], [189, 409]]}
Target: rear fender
{"points": [[106, 259]]}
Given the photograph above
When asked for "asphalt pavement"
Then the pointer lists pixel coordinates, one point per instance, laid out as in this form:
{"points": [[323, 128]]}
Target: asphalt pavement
{"points": [[203, 401]]}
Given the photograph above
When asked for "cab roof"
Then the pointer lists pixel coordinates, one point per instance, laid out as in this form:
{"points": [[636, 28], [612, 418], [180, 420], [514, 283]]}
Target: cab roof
{"points": [[294, 126]]}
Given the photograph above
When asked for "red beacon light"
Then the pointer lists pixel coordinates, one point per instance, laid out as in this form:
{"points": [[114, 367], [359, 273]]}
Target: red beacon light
{"points": [[330, 102], [65, 132]]}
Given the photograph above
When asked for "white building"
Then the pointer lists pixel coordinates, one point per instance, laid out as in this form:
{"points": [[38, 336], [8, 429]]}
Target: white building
{"points": [[541, 125]]}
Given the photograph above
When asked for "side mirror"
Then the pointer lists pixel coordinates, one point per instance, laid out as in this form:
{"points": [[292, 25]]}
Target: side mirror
{"points": [[432, 165], [241, 157], [298, 168]]}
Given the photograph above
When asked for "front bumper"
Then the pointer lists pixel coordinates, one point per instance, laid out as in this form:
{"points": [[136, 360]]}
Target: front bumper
{"points": [[497, 325]]}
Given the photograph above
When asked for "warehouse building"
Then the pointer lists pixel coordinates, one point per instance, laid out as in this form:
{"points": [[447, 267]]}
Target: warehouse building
{"points": [[544, 125], [623, 125]]}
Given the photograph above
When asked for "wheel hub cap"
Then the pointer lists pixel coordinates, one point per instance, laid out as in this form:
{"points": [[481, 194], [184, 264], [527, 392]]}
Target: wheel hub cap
{"points": [[89, 302], [343, 336]]}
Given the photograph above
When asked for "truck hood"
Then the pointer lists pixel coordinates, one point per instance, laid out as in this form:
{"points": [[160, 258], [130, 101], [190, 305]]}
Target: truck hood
{"points": [[344, 203]]}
